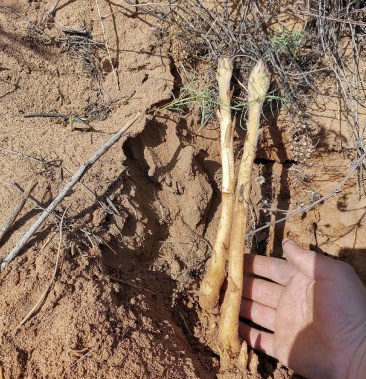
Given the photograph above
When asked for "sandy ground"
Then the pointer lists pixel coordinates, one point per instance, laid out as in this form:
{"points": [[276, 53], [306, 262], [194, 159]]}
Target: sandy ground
{"points": [[139, 226]]}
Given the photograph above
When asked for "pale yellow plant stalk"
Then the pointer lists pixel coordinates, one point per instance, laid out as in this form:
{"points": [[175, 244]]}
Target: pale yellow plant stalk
{"points": [[215, 275], [229, 318]]}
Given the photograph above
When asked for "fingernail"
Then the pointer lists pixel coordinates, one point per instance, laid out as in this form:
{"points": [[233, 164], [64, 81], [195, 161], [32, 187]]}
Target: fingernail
{"points": [[288, 240]]}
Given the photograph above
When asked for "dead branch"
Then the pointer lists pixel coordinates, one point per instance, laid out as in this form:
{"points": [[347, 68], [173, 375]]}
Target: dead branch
{"points": [[76, 177], [53, 9], [54, 163], [26, 156], [11, 10], [17, 210], [33, 201]]}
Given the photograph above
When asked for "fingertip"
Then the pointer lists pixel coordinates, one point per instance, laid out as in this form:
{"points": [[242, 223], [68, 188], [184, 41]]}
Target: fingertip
{"points": [[290, 247], [313, 265], [299, 257], [289, 241]]}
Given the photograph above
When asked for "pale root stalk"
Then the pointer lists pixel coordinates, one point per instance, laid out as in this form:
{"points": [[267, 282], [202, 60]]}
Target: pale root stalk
{"points": [[212, 282], [229, 319]]}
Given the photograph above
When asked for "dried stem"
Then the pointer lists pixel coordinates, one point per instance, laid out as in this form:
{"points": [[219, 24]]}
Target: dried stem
{"points": [[76, 177], [107, 45], [53, 9], [212, 282], [229, 319], [17, 210]]}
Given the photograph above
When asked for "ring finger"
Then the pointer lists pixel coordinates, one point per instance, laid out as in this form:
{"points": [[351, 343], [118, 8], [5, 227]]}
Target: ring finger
{"points": [[258, 313]]}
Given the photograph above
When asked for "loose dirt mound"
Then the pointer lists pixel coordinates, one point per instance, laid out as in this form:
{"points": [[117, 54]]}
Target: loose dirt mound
{"points": [[140, 225]]}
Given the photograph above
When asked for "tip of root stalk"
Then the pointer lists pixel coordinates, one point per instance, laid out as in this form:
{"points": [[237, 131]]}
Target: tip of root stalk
{"points": [[258, 83], [224, 69]]}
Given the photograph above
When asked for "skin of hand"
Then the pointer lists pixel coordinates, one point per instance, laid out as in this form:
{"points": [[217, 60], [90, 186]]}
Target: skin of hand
{"points": [[314, 309]]}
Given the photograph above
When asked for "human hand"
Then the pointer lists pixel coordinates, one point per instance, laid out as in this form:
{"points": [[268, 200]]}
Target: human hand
{"points": [[316, 308]]}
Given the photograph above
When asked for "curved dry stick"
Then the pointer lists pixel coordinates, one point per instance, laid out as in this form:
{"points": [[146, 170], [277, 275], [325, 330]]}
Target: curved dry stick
{"points": [[229, 320], [215, 275], [75, 178]]}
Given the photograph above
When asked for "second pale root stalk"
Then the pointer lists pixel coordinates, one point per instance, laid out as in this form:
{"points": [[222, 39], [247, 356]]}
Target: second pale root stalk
{"points": [[229, 319]]}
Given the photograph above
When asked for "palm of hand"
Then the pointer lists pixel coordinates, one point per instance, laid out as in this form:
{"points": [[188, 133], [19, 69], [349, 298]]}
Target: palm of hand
{"points": [[308, 327], [317, 313]]}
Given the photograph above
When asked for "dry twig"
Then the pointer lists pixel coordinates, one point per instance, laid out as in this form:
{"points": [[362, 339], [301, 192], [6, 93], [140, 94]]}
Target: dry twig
{"points": [[17, 210], [107, 205], [55, 162], [107, 45], [53, 9], [33, 26], [34, 201], [75, 178]]}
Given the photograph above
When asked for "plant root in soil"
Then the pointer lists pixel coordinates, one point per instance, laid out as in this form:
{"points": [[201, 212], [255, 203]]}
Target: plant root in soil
{"points": [[230, 240], [229, 319], [212, 282]]}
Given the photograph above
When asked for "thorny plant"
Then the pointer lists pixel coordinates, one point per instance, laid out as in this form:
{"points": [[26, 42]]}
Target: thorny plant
{"points": [[245, 32], [302, 59], [239, 31]]}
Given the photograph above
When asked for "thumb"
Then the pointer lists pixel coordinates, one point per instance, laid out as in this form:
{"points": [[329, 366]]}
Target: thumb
{"points": [[315, 266]]}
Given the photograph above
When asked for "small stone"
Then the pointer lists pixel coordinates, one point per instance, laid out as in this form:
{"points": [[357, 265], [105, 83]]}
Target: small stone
{"points": [[106, 65]]}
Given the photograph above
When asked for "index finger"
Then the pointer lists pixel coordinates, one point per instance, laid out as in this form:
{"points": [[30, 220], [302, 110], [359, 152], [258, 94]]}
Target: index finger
{"points": [[275, 269]]}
